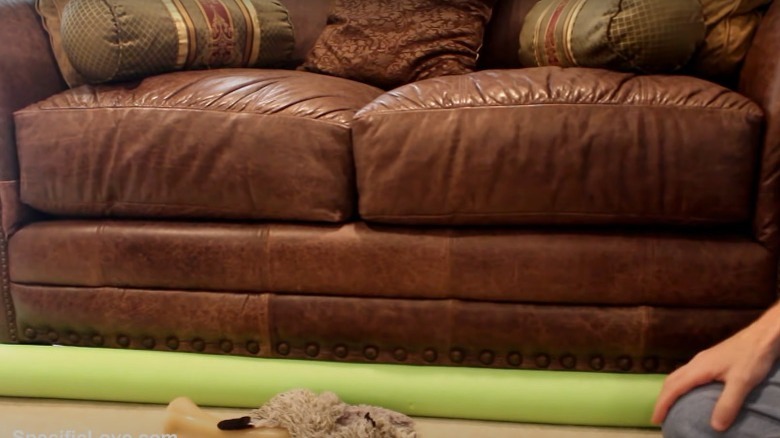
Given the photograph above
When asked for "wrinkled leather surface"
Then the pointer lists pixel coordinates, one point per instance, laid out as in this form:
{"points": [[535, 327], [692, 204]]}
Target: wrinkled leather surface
{"points": [[550, 145], [250, 144], [760, 81], [527, 266], [187, 315], [435, 332], [556, 331]]}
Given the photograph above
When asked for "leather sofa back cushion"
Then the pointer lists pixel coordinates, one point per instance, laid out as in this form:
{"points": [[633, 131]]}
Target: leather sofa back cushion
{"points": [[731, 25], [230, 143], [309, 18], [388, 43], [116, 40], [550, 145], [501, 36], [649, 36]]}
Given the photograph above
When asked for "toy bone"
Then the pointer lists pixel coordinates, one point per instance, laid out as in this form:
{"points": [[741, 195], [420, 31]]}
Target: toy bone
{"points": [[184, 419]]}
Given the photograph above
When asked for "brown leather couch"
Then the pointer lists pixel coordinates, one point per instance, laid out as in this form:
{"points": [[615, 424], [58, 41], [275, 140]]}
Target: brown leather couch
{"points": [[538, 218]]}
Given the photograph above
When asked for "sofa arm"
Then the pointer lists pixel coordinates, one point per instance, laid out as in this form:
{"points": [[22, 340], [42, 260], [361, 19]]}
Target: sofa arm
{"points": [[760, 81], [28, 73]]}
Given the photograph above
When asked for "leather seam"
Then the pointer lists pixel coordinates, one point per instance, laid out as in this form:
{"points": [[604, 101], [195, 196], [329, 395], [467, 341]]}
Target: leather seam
{"points": [[199, 209], [32, 112], [697, 219], [740, 111]]}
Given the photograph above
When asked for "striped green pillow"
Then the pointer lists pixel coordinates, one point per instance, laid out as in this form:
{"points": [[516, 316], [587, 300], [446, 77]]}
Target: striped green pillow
{"points": [[115, 40], [647, 36]]}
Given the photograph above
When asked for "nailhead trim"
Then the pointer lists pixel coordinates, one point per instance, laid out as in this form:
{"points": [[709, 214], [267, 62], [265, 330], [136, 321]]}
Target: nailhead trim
{"points": [[568, 361], [400, 354], [198, 344], [487, 357], [253, 347], [283, 348], [123, 341], [226, 346], [5, 290], [340, 351], [30, 333], [625, 363], [650, 364], [312, 350], [515, 359], [429, 355], [371, 353], [542, 361], [147, 342]]}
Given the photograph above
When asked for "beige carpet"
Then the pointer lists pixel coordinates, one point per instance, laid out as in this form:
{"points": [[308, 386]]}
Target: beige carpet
{"points": [[67, 419]]}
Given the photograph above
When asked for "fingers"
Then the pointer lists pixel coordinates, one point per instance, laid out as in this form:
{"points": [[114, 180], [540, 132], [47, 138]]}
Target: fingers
{"points": [[677, 384], [729, 404]]}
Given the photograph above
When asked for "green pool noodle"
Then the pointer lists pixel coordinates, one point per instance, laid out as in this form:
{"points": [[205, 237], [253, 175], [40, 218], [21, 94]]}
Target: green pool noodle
{"points": [[550, 397]]}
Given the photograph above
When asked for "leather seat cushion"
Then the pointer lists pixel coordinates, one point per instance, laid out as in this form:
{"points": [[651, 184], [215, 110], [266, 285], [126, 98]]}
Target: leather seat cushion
{"points": [[550, 145], [238, 144]]}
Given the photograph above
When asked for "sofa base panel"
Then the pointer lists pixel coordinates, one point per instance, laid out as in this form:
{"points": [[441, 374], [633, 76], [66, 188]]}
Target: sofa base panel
{"points": [[377, 330]]}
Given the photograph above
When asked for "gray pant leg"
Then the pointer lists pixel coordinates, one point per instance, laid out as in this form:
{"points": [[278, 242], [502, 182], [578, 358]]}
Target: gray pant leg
{"points": [[759, 418]]}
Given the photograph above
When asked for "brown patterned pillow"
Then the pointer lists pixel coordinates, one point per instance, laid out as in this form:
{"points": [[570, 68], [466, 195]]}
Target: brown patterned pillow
{"points": [[647, 36], [114, 40], [388, 43]]}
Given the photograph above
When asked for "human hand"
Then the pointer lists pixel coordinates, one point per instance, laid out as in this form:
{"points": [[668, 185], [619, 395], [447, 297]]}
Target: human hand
{"points": [[740, 362]]}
